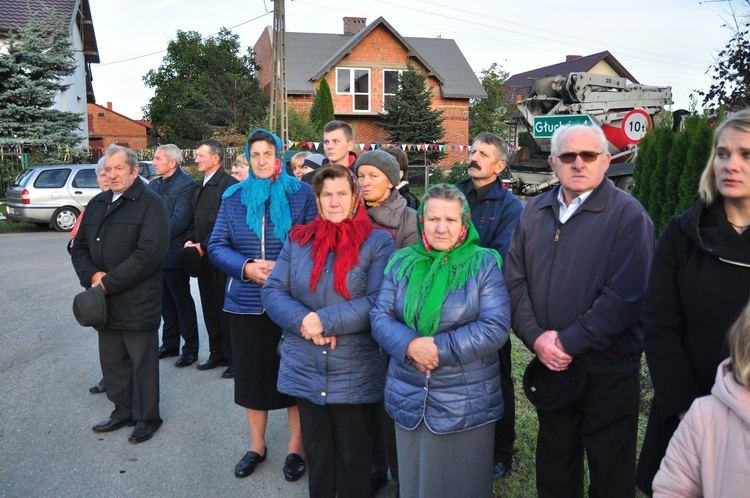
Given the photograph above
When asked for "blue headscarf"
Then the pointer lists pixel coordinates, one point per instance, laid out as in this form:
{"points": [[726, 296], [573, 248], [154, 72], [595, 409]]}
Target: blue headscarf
{"points": [[255, 192]]}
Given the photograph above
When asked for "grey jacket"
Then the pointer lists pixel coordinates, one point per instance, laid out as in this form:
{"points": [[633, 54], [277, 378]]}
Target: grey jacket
{"points": [[396, 217]]}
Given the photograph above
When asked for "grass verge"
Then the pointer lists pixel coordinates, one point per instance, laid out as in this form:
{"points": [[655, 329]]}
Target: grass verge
{"points": [[522, 481]]}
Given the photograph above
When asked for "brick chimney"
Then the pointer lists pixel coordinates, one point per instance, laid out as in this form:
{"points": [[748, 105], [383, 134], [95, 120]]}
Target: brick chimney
{"points": [[354, 25], [109, 106], [569, 58]]}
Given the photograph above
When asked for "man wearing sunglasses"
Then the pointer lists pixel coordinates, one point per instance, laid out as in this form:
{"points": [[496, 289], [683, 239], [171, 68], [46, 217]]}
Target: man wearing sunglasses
{"points": [[577, 270]]}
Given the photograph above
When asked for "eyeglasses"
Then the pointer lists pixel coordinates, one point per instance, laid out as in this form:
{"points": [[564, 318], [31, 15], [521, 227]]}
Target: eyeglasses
{"points": [[587, 156]]}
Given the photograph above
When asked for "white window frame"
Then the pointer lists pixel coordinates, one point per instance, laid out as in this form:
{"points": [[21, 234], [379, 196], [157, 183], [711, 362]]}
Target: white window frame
{"points": [[399, 71], [352, 71]]}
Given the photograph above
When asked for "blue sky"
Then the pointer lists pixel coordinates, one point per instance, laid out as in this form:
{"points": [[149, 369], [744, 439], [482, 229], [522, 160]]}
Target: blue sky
{"points": [[661, 42]]}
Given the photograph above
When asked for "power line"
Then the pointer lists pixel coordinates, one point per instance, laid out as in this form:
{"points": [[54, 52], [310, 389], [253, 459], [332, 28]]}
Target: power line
{"points": [[162, 51]]}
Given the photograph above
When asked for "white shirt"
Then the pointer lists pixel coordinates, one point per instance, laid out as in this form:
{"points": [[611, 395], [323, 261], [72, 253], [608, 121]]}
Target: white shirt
{"points": [[206, 178], [115, 196], [567, 211]]}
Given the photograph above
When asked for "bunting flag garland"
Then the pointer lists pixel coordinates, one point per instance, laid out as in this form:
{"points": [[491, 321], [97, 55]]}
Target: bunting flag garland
{"points": [[364, 146]]}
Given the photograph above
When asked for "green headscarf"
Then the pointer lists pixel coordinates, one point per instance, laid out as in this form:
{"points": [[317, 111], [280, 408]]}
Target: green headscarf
{"points": [[432, 273]]}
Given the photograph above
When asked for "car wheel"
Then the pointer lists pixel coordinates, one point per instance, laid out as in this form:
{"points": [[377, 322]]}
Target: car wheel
{"points": [[64, 219]]}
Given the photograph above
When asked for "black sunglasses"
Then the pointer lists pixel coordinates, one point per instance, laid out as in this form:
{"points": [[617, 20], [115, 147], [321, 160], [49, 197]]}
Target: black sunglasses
{"points": [[586, 155]]}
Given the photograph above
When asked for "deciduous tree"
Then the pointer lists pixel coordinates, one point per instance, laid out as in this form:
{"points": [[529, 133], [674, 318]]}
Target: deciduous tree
{"points": [[492, 113], [204, 88]]}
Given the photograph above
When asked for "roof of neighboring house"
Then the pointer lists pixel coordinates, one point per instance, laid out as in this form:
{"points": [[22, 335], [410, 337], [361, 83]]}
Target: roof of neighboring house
{"points": [[146, 124], [579, 64], [15, 14], [309, 56]]}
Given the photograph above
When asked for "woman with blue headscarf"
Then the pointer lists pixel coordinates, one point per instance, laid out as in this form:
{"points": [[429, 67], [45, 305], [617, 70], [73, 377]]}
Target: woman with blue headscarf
{"points": [[253, 223]]}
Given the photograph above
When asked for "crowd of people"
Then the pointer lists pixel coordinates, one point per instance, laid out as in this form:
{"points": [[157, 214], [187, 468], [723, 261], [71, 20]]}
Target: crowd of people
{"points": [[381, 323]]}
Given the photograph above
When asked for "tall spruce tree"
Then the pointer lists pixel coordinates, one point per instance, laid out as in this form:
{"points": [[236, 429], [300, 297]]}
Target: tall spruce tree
{"points": [[321, 111], [33, 65], [409, 117]]}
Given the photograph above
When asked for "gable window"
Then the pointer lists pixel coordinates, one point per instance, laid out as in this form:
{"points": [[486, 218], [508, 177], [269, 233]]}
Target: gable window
{"points": [[390, 85], [354, 82]]}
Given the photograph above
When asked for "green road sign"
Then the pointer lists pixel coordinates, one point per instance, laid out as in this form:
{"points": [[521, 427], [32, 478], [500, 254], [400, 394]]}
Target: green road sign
{"points": [[544, 126]]}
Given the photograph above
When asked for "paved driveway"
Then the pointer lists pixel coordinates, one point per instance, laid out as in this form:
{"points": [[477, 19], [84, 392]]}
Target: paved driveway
{"points": [[47, 364]]}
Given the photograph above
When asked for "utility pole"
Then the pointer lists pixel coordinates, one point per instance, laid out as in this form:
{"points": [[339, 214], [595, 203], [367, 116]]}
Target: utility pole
{"points": [[279, 116]]}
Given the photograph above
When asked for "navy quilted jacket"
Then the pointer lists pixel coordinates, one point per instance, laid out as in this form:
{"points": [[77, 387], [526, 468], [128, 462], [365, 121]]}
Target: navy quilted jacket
{"points": [[354, 372], [233, 243], [464, 391]]}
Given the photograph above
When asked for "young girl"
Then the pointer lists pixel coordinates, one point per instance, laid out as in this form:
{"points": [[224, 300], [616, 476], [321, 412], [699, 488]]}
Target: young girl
{"points": [[709, 454]]}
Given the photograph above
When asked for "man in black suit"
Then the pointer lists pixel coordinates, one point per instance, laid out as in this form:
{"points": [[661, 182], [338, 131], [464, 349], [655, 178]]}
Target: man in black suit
{"points": [[176, 189], [120, 246], [211, 281]]}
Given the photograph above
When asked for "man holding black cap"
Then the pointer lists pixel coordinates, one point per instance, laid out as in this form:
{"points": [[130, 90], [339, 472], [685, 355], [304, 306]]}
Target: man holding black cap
{"points": [[576, 272], [120, 247], [495, 212]]}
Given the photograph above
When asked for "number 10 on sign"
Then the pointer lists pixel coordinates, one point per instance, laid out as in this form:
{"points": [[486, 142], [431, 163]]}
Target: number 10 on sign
{"points": [[635, 124]]}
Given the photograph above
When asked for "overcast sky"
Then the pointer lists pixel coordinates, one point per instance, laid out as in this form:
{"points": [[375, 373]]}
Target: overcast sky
{"points": [[661, 42]]}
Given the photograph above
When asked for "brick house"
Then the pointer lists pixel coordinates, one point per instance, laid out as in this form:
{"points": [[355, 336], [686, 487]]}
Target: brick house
{"points": [[107, 127], [362, 65]]}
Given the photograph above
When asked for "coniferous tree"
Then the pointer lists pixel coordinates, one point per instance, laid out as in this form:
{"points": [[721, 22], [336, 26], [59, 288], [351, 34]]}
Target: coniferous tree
{"points": [[663, 136], [32, 67], [676, 163], [699, 135], [644, 164], [409, 117], [321, 111]]}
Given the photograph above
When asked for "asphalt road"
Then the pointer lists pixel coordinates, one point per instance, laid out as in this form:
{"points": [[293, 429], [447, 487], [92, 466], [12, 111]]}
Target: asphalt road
{"points": [[47, 364]]}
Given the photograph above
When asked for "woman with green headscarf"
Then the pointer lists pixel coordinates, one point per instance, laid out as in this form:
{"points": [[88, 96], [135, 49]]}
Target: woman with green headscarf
{"points": [[442, 313]]}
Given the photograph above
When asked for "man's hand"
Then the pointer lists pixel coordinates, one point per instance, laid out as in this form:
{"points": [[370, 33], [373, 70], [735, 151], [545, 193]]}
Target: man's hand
{"points": [[550, 352], [424, 353], [259, 270], [96, 279], [190, 243]]}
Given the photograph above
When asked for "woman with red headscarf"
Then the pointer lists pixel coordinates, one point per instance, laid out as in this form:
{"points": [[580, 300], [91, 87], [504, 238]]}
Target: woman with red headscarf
{"points": [[321, 292]]}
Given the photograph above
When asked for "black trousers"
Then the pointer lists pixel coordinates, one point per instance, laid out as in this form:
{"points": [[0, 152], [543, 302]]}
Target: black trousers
{"points": [[384, 454], [130, 359], [505, 428], [212, 283], [604, 422], [178, 312], [338, 448]]}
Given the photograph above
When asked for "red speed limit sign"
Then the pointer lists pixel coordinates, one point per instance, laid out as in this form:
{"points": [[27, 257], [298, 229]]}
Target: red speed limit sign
{"points": [[635, 124]]}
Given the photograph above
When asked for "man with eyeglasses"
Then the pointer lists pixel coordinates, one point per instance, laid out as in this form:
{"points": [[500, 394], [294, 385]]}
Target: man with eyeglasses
{"points": [[576, 272]]}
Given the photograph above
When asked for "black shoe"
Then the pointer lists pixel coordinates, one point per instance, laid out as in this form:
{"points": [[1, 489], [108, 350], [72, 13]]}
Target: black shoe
{"points": [[166, 353], [228, 373], [501, 470], [98, 389], [246, 466], [111, 424], [144, 430], [213, 362], [376, 484], [294, 467], [186, 360]]}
